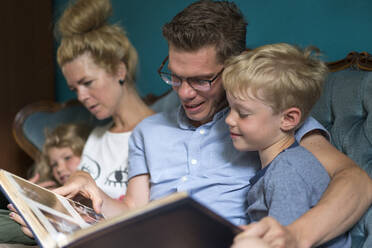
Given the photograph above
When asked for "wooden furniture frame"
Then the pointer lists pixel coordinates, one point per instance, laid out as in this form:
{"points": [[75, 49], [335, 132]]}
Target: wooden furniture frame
{"points": [[50, 107]]}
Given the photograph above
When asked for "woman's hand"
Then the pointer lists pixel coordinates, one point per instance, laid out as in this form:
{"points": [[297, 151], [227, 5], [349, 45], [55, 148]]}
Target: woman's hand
{"points": [[17, 218], [82, 183]]}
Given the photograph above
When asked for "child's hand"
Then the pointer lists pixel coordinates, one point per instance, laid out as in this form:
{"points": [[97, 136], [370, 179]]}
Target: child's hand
{"points": [[246, 242], [17, 218], [46, 184], [269, 231]]}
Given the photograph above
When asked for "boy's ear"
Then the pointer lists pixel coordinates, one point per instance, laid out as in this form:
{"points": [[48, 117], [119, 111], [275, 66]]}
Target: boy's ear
{"points": [[290, 119]]}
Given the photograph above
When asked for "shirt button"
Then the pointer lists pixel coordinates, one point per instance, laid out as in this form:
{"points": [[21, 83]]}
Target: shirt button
{"points": [[202, 131], [184, 178], [194, 161]]}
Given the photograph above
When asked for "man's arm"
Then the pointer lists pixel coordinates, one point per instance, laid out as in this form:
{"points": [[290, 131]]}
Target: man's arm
{"points": [[347, 197]]}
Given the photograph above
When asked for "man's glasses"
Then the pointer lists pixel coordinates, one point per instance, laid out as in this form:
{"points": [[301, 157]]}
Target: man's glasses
{"points": [[195, 83]]}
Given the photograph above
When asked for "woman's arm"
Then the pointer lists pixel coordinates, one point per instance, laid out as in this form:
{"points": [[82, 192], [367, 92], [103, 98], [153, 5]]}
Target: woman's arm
{"points": [[137, 195], [347, 197], [81, 182]]}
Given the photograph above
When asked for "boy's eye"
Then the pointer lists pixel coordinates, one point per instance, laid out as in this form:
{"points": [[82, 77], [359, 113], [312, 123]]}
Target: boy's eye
{"points": [[67, 158], [243, 115], [53, 165]]}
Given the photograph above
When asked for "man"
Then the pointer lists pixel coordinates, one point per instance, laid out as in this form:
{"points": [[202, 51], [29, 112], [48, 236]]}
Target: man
{"points": [[189, 149]]}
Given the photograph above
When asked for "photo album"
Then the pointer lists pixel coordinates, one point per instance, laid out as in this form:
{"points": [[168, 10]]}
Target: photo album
{"points": [[174, 221]]}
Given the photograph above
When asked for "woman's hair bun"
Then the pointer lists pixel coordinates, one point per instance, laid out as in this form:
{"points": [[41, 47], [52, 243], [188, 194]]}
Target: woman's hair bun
{"points": [[83, 16]]}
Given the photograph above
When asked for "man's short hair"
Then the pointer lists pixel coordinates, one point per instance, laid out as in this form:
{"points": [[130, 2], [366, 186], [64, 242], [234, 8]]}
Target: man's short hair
{"points": [[208, 23], [281, 75]]}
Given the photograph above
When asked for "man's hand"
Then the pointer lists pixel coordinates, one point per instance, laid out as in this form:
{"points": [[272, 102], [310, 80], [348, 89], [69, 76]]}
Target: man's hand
{"points": [[271, 233]]}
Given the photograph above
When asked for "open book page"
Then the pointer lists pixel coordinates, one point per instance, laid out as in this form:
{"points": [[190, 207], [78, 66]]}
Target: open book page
{"points": [[45, 212], [177, 220]]}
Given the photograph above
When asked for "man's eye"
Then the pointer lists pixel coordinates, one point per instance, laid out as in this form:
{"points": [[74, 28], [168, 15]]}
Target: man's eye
{"points": [[199, 81]]}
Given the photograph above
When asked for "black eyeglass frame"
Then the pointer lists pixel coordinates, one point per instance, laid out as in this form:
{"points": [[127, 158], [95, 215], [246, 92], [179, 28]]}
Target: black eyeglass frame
{"points": [[210, 81]]}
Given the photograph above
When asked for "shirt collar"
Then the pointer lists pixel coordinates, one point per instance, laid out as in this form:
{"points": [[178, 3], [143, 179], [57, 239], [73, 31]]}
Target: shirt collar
{"points": [[260, 173]]}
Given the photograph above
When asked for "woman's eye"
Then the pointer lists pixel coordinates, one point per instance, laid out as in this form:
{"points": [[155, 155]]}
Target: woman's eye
{"points": [[87, 84]]}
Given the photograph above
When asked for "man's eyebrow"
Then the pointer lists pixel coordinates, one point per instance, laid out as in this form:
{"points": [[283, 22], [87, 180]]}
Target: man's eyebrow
{"points": [[82, 80], [196, 76]]}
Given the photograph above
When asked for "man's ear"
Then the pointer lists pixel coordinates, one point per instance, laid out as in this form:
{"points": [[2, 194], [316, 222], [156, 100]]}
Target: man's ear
{"points": [[290, 119]]}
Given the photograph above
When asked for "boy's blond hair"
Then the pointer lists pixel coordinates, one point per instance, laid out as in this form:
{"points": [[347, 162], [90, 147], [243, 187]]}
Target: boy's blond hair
{"points": [[84, 27], [281, 75], [72, 136]]}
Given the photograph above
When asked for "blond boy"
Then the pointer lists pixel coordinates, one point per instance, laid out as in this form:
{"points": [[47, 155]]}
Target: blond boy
{"points": [[271, 91]]}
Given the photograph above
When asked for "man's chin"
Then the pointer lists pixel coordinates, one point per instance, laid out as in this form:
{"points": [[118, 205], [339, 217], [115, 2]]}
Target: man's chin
{"points": [[198, 119]]}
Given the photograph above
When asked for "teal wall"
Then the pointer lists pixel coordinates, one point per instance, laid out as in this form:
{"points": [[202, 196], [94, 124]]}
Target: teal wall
{"points": [[335, 26]]}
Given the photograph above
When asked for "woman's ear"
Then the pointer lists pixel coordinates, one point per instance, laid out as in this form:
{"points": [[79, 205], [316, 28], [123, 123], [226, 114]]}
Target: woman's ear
{"points": [[290, 119], [122, 72]]}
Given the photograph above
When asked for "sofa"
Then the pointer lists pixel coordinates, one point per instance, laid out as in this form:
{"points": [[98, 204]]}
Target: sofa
{"points": [[343, 109]]}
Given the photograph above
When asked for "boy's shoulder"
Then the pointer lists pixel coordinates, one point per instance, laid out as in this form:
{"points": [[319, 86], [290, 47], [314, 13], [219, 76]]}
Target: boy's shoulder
{"points": [[297, 162]]}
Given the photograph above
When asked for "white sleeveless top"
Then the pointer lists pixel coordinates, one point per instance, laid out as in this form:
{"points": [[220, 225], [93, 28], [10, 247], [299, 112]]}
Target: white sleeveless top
{"points": [[105, 158]]}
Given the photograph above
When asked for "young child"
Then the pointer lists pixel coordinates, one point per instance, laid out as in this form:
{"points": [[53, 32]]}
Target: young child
{"points": [[271, 91], [61, 154]]}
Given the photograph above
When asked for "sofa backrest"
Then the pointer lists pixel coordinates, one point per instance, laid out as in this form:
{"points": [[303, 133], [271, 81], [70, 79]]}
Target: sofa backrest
{"points": [[32, 120], [345, 110]]}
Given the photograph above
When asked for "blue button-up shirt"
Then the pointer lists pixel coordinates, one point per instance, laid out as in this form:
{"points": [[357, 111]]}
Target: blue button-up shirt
{"points": [[201, 161]]}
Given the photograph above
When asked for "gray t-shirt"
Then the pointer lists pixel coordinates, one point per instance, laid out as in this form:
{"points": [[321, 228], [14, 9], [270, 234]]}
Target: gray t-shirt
{"points": [[288, 187]]}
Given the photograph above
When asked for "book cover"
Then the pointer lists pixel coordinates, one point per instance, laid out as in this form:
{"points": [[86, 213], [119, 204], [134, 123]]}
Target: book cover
{"points": [[174, 221]]}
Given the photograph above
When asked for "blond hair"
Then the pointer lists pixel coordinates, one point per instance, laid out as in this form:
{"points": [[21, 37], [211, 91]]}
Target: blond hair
{"points": [[83, 27], [72, 136], [281, 75]]}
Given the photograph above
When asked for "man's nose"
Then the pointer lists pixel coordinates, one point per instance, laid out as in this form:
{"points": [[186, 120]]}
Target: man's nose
{"points": [[185, 91]]}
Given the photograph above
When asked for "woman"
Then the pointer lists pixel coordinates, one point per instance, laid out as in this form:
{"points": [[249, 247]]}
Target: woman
{"points": [[99, 64]]}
